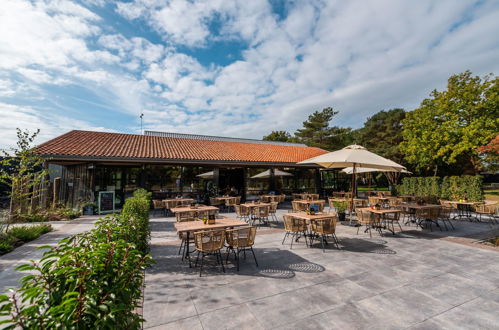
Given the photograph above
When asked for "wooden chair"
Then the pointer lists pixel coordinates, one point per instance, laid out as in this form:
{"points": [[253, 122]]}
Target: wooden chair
{"points": [[324, 228], [209, 243], [239, 240], [487, 210], [158, 205], [242, 212], [294, 227], [369, 220]]}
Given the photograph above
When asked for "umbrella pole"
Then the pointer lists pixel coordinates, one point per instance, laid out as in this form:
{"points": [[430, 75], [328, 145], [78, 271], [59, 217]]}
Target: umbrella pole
{"points": [[353, 189]]}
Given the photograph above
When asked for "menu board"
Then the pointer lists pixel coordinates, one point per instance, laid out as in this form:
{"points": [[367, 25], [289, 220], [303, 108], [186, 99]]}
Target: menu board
{"points": [[106, 202]]}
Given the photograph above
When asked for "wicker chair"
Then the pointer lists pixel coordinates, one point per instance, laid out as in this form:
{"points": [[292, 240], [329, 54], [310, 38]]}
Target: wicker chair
{"points": [[366, 218], [313, 197], [209, 242], [324, 228], [394, 202], [242, 212], [260, 213], [428, 216], [158, 205], [445, 215], [390, 219], [296, 206], [358, 204], [230, 202], [264, 199], [373, 200], [185, 216], [238, 200], [273, 211], [487, 210], [215, 201], [294, 227], [239, 240], [169, 205]]}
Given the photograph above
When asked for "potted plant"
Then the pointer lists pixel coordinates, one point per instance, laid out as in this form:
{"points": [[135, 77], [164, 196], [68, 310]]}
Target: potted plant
{"points": [[340, 207], [88, 208]]}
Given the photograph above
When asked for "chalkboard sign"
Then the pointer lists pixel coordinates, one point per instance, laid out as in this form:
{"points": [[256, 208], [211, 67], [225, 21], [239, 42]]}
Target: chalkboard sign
{"points": [[106, 202]]}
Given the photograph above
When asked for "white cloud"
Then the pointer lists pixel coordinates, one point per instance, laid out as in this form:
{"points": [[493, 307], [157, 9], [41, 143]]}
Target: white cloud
{"points": [[357, 56]]}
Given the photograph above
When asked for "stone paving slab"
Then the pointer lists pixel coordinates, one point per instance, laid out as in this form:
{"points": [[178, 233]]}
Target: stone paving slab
{"points": [[383, 282]]}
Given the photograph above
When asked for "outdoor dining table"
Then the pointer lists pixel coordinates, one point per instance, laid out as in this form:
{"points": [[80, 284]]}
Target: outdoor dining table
{"points": [[182, 200], [464, 209], [272, 198], [381, 214], [189, 227]]}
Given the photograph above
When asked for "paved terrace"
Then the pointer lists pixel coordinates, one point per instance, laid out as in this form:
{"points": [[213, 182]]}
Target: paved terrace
{"points": [[411, 280]]}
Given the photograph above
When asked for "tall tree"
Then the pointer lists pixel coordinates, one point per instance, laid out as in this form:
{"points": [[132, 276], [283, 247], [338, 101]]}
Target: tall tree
{"points": [[490, 154], [281, 136], [316, 131], [382, 134], [452, 124]]}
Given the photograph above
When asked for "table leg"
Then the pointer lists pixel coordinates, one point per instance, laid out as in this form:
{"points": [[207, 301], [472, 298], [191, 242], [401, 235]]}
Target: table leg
{"points": [[187, 253]]}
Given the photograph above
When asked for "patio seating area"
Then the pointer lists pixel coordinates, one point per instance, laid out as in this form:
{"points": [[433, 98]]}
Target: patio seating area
{"points": [[412, 279]]}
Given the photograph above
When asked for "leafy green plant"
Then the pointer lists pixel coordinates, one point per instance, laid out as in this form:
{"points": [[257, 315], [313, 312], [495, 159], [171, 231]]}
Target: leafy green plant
{"points": [[90, 280], [340, 207], [5, 247], [28, 233]]}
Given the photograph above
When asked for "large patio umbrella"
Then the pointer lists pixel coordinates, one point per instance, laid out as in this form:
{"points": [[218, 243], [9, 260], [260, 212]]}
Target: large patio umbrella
{"points": [[357, 157], [267, 174], [207, 175]]}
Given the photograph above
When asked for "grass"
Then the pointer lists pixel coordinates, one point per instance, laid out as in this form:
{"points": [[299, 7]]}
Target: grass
{"points": [[492, 194], [19, 235]]}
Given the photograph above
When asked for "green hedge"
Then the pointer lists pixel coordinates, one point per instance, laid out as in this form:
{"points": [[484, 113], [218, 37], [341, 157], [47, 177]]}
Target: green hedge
{"points": [[449, 188], [91, 280]]}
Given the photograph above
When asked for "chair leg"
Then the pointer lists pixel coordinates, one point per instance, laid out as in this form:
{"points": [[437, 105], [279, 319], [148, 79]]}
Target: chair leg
{"points": [[358, 229], [285, 235], [181, 246], [201, 268], [322, 243], [220, 255], [254, 257]]}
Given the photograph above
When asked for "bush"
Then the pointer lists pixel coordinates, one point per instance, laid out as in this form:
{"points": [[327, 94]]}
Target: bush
{"points": [[90, 280], [28, 233], [449, 188], [5, 246]]}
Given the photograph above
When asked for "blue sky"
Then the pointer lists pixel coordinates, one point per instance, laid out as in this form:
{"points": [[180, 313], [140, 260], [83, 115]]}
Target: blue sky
{"points": [[234, 68]]}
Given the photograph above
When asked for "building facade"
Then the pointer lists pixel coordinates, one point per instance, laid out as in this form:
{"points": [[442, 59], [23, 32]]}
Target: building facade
{"points": [[84, 163]]}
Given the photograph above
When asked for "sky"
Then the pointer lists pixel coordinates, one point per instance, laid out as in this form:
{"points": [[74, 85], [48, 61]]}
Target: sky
{"points": [[230, 68]]}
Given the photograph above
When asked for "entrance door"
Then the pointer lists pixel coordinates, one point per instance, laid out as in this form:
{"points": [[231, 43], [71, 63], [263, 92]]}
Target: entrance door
{"points": [[231, 177]]}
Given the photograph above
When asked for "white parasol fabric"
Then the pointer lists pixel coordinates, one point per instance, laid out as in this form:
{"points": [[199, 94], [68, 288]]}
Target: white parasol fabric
{"points": [[354, 156], [358, 170], [207, 175], [267, 174]]}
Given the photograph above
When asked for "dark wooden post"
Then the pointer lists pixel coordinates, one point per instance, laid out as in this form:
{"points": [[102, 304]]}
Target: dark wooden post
{"points": [[57, 189], [272, 180], [216, 178], [318, 182]]}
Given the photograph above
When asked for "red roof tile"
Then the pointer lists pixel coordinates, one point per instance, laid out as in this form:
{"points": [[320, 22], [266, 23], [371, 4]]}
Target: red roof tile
{"points": [[86, 144]]}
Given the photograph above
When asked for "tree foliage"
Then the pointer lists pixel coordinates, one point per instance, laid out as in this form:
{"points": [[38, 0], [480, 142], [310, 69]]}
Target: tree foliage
{"points": [[490, 154], [451, 125], [317, 132], [382, 134], [22, 169], [281, 136]]}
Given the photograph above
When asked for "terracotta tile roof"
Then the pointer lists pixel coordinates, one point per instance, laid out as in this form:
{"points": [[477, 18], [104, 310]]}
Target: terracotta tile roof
{"points": [[86, 144]]}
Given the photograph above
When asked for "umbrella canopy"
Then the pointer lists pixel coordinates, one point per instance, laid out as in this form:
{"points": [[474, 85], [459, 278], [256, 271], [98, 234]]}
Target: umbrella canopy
{"points": [[358, 170], [354, 156], [266, 174], [207, 175]]}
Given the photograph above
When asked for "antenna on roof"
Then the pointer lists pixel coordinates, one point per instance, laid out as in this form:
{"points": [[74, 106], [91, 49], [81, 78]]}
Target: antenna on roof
{"points": [[141, 131]]}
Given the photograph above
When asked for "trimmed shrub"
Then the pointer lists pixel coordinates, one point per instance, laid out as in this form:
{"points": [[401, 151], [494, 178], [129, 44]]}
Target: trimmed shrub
{"points": [[449, 188], [91, 280], [28, 233]]}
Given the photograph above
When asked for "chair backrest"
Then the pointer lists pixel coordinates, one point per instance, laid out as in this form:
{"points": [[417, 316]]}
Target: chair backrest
{"points": [[209, 241], [359, 203], [326, 226], [158, 204], [238, 199], [202, 214], [262, 211], [365, 217], [292, 224], [185, 216], [214, 201], [242, 210], [313, 196], [296, 206], [373, 200], [423, 213], [394, 216], [241, 237], [170, 204], [445, 212], [486, 208], [394, 201], [264, 199], [230, 201], [273, 207]]}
